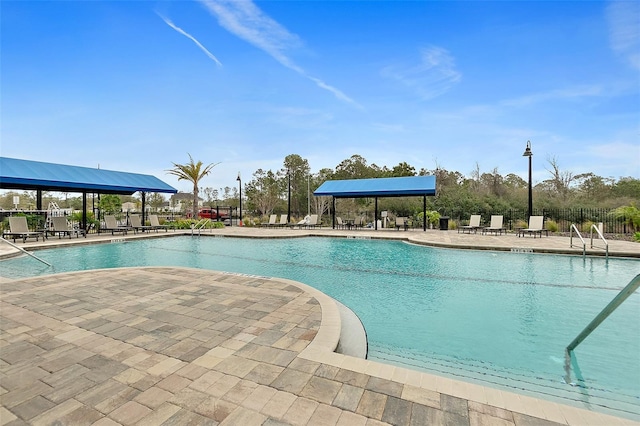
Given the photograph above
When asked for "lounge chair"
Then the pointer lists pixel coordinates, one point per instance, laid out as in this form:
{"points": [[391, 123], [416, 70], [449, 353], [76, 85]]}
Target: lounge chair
{"points": [[358, 222], [474, 224], [495, 226], [402, 222], [272, 220], [112, 225], [61, 226], [535, 227], [136, 224], [155, 223], [313, 221], [284, 220], [300, 223], [19, 229]]}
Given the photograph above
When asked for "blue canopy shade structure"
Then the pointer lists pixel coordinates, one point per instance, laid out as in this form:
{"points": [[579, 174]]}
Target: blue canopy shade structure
{"points": [[406, 186], [380, 187], [36, 175]]}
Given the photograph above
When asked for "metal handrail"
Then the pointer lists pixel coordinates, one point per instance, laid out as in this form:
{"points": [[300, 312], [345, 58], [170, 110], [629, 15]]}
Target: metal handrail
{"points": [[584, 244], [24, 251], [621, 297], [199, 225], [606, 244]]}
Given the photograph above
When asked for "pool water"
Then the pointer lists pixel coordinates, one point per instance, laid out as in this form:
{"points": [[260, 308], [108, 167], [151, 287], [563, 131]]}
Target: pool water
{"points": [[499, 319]]}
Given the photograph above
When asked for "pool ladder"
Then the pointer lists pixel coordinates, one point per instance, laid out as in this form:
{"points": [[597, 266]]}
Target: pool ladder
{"points": [[200, 225], [621, 297], [574, 228], [26, 252]]}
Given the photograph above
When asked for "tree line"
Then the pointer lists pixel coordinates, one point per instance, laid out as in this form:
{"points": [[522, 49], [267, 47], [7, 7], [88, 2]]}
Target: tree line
{"points": [[268, 191]]}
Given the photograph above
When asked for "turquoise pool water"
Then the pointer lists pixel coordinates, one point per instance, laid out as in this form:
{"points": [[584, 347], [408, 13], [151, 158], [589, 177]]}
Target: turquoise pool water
{"points": [[496, 318]]}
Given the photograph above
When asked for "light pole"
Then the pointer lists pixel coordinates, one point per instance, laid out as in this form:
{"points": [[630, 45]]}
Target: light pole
{"points": [[309, 195], [240, 185], [289, 194], [528, 153]]}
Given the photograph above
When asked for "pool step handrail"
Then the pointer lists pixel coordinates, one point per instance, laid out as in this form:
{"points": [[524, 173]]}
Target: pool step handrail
{"points": [[620, 297], [25, 252], [606, 244], [199, 225], [584, 244]]}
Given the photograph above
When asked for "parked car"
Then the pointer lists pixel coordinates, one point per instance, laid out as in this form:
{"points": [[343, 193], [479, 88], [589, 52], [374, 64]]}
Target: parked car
{"points": [[210, 213]]}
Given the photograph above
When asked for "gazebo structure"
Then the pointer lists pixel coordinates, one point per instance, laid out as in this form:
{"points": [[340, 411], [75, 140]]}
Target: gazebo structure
{"points": [[40, 176], [379, 187]]}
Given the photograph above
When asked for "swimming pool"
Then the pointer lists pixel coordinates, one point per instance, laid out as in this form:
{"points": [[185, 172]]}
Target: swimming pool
{"points": [[496, 318]]}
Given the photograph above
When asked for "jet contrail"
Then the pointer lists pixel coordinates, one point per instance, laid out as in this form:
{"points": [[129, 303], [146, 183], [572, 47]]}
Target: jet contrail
{"points": [[184, 33], [245, 20]]}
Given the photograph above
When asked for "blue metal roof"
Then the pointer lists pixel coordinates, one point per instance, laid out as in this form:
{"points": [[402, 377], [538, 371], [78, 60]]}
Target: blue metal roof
{"points": [[379, 187], [26, 174]]}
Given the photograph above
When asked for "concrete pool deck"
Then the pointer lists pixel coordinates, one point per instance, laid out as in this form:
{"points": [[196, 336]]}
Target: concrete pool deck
{"points": [[189, 346]]}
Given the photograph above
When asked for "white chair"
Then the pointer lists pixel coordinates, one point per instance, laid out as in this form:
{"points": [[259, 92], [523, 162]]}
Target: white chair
{"points": [[284, 220], [536, 226], [495, 226], [474, 224]]}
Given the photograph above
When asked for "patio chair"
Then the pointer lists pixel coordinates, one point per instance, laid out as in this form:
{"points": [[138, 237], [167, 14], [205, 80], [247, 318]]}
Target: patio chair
{"points": [[300, 223], [474, 224], [339, 223], [61, 226], [19, 229], [136, 224], [536, 226], [112, 225], [155, 223], [284, 220], [358, 222], [313, 221], [272, 220], [402, 222], [495, 226]]}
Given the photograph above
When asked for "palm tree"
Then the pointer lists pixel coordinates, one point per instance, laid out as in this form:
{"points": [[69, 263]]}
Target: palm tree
{"points": [[192, 172]]}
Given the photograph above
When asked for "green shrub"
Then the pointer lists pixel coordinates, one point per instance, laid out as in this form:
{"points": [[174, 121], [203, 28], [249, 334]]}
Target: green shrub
{"points": [[432, 217], [630, 214], [91, 219], [552, 226], [453, 225], [521, 224], [251, 221], [586, 226], [182, 223], [636, 236]]}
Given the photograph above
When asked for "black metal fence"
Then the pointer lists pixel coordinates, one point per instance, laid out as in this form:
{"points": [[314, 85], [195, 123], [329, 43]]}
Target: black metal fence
{"points": [[582, 217], [512, 218]]}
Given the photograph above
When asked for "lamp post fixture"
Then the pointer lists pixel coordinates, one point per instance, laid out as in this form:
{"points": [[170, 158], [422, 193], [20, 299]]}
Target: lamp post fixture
{"points": [[528, 153], [240, 185]]}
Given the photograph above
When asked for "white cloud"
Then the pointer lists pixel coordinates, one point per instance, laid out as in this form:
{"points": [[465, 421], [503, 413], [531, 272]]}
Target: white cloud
{"points": [[624, 30], [189, 36], [248, 22], [559, 94], [434, 75]]}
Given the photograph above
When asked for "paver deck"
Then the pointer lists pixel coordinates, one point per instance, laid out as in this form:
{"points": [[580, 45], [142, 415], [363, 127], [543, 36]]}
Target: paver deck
{"points": [[180, 346]]}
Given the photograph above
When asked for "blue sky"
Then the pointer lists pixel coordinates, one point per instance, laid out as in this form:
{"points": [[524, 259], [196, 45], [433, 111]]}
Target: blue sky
{"points": [[136, 85]]}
